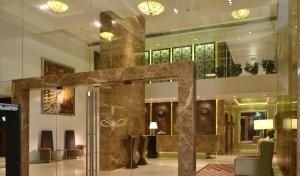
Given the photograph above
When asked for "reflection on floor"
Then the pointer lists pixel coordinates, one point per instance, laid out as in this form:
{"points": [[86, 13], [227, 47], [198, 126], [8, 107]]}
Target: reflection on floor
{"points": [[155, 167]]}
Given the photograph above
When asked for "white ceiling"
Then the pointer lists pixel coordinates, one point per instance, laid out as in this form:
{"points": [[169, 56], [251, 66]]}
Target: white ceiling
{"points": [[78, 21]]}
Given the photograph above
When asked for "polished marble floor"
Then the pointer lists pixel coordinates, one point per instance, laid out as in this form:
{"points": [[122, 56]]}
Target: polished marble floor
{"points": [[155, 167]]}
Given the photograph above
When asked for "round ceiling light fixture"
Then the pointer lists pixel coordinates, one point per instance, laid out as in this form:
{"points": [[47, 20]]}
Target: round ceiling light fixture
{"points": [[240, 14], [151, 8], [107, 35], [57, 6]]}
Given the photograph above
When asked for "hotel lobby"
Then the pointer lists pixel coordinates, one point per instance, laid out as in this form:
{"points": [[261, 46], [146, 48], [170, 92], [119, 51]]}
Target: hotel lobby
{"points": [[161, 87]]}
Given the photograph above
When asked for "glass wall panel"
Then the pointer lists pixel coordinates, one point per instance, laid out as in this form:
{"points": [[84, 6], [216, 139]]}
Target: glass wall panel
{"points": [[44, 151]]}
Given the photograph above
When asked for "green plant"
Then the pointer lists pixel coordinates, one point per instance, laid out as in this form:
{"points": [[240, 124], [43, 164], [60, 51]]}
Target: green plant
{"points": [[236, 70], [252, 68], [268, 66], [221, 71]]}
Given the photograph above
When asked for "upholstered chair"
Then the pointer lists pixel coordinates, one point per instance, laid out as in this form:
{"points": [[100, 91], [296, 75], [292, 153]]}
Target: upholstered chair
{"points": [[47, 153], [72, 150], [260, 165]]}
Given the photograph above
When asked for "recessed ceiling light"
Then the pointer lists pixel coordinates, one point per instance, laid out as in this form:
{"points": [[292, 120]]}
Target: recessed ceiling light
{"points": [[240, 14], [175, 10], [250, 32], [113, 22], [57, 6], [151, 8], [97, 24], [234, 96], [195, 39], [157, 44], [44, 7]]}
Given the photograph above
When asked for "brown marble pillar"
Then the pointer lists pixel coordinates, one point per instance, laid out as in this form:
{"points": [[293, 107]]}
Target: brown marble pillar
{"points": [[22, 97], [187, 121], [221, 126], [124, 50]]}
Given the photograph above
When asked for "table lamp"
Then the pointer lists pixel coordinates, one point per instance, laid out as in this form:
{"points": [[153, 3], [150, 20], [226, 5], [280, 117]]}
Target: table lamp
{"points": [[153, 127], [266, 124], [294, 124]]}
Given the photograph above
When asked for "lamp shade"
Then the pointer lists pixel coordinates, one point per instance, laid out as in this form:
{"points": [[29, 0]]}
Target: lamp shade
{"points": [[240, 14], [294, 123], [265, 124], [153, 126], [151, 8]]}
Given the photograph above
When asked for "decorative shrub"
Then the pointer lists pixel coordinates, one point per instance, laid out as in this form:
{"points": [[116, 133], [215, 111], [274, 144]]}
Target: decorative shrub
{"points": [[220, 71], [236, 70], [268, 66], [252, 68]]}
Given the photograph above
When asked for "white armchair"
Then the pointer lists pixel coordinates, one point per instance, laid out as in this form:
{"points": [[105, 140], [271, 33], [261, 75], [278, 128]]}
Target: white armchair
{"points": [[261, 165]]}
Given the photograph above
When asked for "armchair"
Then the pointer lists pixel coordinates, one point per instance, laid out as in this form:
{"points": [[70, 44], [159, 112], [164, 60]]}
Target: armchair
{"points": [[47, 154], [72, 150], [261, 165]]}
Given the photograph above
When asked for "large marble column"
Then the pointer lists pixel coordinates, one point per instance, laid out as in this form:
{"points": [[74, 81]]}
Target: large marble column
{"points": [[123, 101], [221, 126]]}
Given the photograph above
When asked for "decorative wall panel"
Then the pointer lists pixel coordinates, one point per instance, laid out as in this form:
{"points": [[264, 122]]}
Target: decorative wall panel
{"points": [[205, 59], [182, 53], [206, 117], [161, 56], [147, 58]]}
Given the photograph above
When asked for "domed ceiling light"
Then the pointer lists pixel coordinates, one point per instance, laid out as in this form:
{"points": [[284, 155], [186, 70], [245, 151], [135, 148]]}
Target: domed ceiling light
{"points": [[107, 35], [57, 6], [240, 14], [151, 8]]}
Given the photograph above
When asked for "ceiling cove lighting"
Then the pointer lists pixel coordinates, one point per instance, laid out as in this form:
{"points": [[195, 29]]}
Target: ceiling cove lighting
{"points": [[57, 6], [240, 14], [107, 35], [151, 8], [252, 103]]}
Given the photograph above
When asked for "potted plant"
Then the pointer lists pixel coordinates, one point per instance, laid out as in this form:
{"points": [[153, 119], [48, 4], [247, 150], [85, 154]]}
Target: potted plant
{"points": [[221, 72], [236, 70], [252, 68], [268, 66]]}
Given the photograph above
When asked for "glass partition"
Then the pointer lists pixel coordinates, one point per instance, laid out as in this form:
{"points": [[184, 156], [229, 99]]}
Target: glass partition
{"points": [[44, 147]]}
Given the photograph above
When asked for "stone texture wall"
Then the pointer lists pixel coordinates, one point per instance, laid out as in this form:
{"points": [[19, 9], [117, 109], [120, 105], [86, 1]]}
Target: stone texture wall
{"points": [[221, 126], [204, 143], [124, 50]]}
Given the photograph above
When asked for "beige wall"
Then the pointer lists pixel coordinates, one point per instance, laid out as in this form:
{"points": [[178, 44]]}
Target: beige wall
{"points": [[217, 88]]}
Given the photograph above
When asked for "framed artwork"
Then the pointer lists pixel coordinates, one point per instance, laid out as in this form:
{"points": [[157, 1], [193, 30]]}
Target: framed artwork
{"points": [[57, 101], [50, 67]]}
